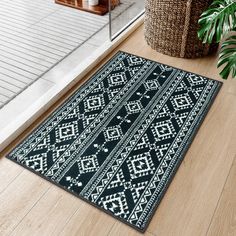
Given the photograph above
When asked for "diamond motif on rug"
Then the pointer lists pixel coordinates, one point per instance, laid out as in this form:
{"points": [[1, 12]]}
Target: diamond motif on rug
{"points": [[117, 204], [151, 84], [88, 164], [117, 79], [113, 133], [163, 130], [134, 107], [93, 103], [66, 131], [37, 162], [182, 102], [140, 165]]}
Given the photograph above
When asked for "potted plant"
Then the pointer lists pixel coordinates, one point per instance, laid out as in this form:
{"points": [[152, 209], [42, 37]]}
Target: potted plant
{"points": [[218, 23]]}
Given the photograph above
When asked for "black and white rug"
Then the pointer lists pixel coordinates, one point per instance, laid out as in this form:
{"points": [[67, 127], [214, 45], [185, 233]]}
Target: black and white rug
{"points": [[118, 141]]}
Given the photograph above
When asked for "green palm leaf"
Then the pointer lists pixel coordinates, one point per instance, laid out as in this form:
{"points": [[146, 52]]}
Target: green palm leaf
{"points": [[217, 20], [228, 57]]}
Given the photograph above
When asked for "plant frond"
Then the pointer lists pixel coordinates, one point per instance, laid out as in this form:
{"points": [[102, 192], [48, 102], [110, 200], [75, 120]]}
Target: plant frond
{"points": [[228, 57], [217, 20]]}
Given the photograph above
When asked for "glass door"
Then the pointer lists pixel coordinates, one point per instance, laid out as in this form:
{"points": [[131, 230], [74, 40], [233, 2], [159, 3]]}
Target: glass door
{"points": [[122, 14]]}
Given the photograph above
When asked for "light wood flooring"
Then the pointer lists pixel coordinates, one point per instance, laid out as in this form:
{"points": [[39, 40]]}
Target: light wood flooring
{"points": [[201, 199]]}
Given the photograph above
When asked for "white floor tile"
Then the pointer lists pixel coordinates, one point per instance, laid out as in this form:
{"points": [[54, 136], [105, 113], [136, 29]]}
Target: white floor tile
{"points": [[23, 101]]}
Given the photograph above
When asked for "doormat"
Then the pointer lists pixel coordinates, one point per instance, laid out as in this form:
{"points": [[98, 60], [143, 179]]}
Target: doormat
{"points": [[118, 140]]}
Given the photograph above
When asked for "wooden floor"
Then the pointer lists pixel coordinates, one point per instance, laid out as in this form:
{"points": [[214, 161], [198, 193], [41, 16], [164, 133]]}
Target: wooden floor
{"points": [[201, 199]]}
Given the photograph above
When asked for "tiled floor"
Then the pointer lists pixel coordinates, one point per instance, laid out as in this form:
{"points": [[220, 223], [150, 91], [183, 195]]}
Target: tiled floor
{"points": [[36, 35], [21, 64]]}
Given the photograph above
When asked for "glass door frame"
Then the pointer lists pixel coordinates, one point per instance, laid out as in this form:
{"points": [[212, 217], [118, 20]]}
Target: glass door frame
{"points": [[117, 34]]}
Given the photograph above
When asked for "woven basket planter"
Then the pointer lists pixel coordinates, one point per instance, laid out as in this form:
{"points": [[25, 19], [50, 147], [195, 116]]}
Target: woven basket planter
{"points": [[171, 27]]}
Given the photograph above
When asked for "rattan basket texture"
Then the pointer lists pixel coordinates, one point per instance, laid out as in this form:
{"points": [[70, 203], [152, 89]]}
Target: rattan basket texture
{"points": [[171, 27]]}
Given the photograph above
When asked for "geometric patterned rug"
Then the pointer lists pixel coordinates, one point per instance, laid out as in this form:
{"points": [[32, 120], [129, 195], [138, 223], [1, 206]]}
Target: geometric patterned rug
{"points": [[118, 141]]}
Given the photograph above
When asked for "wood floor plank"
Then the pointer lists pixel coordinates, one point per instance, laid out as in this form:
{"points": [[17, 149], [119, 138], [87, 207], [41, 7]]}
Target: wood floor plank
{"points": [[121, 229], [8, 173], [224, 220], [17, 200], [89, 220], [49, 215]]}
